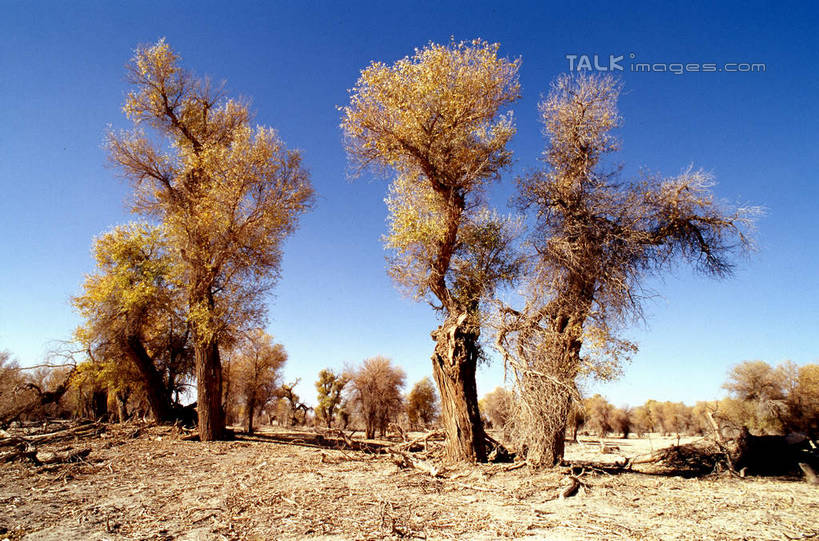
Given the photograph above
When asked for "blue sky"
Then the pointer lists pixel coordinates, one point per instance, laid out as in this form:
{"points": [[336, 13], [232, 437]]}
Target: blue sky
{"points": [[62, 83]]}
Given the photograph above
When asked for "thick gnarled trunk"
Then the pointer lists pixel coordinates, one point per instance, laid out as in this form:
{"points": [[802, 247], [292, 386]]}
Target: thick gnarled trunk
{"points": [[209, 390], [453, 366]]}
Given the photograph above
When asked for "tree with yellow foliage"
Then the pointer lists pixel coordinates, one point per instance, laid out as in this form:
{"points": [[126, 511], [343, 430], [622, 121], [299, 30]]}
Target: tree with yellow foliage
{"points": [[422, 405], [329, 387], [226, 193], [135, 328], [253, 374], [436, 120]]}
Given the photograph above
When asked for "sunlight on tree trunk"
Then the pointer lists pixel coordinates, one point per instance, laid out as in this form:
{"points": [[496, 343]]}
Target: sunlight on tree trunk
{"points": [[453, 366], [209, 391]]}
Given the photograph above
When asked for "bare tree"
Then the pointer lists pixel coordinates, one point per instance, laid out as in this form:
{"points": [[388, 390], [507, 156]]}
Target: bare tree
{"points": [[40, 392], [12, 382], [599, 415], [376, 387], [773, 399], [292, 404], [577, 418], [755, 380], [436, 120], [804, 400], [497, 406], [595, 239], [621, 421]]}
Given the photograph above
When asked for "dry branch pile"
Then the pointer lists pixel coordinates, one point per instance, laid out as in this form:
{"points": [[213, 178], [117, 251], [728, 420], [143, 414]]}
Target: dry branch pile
{"points": [[25, 443], [746, 455]]}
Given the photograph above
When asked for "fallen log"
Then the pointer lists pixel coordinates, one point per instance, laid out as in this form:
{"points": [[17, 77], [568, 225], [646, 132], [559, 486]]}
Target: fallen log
{"points": [[694, 458], [415, 444], [27, 451], [56, 457], [22, 452], [498, 452], [11, 441], [64, 433], [570, 490]]}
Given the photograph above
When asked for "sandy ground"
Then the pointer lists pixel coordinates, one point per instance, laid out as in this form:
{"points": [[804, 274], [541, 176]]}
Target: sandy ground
{"points": [[153, 485]]}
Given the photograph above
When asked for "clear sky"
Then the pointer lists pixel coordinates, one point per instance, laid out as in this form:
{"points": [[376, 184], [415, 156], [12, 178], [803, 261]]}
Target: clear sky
{"points": [[62, 83]]}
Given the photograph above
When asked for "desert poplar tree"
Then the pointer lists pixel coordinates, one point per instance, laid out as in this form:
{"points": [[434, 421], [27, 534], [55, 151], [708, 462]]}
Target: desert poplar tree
{"points": [[422, 405], [436, 121], [595, 238], [376, 393], [254, 374], [227, 194], [134, 316], [329, 387]]}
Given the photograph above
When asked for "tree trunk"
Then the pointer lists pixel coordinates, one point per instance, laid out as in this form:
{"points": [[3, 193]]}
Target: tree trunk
{"points": [[122, 407], [369, 425], [209, 390], [556, 447], [159, 399], [251, 407], [453, 366], [99, 404], [559, 395]]}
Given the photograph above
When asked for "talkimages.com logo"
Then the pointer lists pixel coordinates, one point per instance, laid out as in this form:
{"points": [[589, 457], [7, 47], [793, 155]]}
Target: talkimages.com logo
{"points": [[629, 63]]}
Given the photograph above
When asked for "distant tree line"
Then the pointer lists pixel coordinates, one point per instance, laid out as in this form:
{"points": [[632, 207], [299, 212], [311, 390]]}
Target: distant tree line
{"points": [[764, 398], [368, 397]]}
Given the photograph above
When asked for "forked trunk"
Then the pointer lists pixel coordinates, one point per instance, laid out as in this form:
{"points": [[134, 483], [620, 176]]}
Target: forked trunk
{"points": [[453, 366], [159, 398], [209, 390]]}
